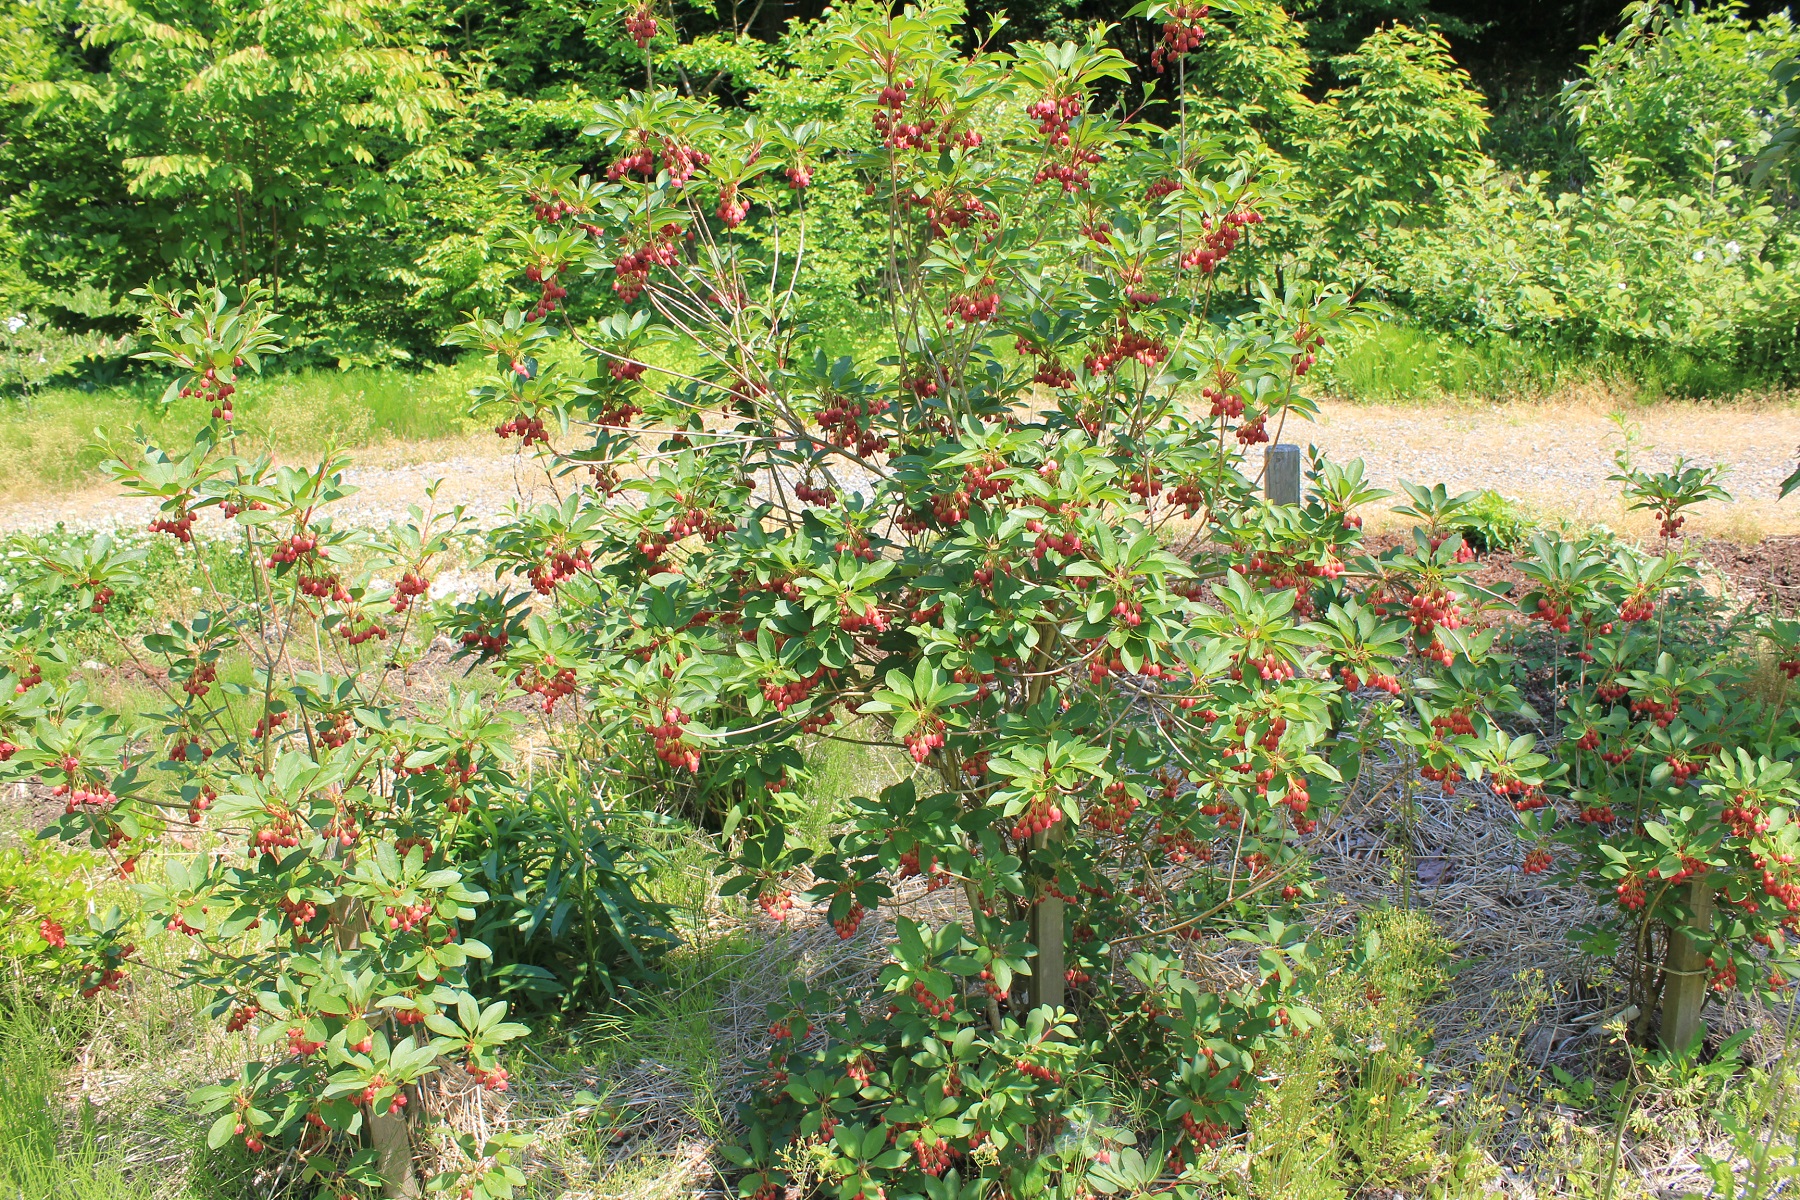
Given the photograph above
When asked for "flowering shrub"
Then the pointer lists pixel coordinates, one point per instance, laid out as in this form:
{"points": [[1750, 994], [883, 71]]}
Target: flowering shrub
{"points": [[43, 894], [1677, 748], [323, 909], [1020, 540]]}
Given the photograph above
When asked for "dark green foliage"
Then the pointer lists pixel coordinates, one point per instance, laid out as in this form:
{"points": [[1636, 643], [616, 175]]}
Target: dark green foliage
{"points": [[346, 155], [567, 915]]}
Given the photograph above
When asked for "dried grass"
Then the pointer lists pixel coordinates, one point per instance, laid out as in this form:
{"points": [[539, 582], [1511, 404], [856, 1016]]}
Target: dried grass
{"points": [[1525, 1000]]}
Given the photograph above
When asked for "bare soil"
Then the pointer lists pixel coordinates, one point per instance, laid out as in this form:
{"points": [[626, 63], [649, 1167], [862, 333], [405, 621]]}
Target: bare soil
{"points": [[1765, 575]]}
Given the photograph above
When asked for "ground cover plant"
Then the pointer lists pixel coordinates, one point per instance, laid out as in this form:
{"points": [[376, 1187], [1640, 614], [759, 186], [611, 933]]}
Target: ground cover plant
{"points": [[1020, 543]]}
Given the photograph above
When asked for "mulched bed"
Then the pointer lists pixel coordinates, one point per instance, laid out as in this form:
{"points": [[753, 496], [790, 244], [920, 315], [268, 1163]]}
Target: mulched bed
{"points": [[1765, 575]]}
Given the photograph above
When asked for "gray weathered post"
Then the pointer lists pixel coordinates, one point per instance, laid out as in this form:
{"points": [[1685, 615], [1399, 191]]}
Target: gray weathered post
{"points": [[1684, 987], [1281, 473]]}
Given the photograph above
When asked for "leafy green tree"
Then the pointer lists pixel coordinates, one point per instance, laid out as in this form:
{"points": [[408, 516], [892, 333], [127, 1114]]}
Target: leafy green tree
{"points": [[254, 130], [1684, 95], [1363, 159], [1407, 117], [1248, 83]]}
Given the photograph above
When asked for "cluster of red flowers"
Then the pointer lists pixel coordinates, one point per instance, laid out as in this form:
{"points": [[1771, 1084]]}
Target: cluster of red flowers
{"points": [[732, 208], [272, 839], [550, 209], [1218, 238], [407, 917], [324, 586], [1126, 344], [974, 308], [1745, 817], [677, 158], [488, 643], [846, 927], [411, 586], [558, 568], [785, 695], [93, 796], [846, 423], [640, 25], [1072, 173], [213, 390], [927, 735], [30, 675], [669, 746], [551, 293], [180, 524], [1307, 341], [1181, 33], [1037, 818], [550, 688], [1429, 610], [631, 270], [898, 134], [1352, 682], [951, 208], [1662, 712], [292, 549], [1552, 613], [1053, 115]]}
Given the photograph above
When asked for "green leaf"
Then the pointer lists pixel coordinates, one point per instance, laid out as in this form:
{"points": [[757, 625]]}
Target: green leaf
{"points": [[222, 1130]]}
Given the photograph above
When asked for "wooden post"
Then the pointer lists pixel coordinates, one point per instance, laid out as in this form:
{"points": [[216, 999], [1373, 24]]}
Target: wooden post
{"points": [[1047, 935], [390, 1134], [1685, 974], [391, 1138], [1281, 473]]}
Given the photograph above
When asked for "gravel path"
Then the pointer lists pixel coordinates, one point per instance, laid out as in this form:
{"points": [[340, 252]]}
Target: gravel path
{"points": [[481, 473], [1552, 458], [1555, 458]]}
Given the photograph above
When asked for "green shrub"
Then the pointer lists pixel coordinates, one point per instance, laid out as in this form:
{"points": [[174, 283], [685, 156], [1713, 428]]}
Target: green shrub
{"points": [[1666, 251], [567, 915], [44, 894], [1611, 267], [1683, 96], [1492, 522]]}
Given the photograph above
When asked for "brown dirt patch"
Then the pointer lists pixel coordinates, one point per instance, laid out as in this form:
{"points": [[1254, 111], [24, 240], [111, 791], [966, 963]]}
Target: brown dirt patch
{"points": [[1764, 575]]}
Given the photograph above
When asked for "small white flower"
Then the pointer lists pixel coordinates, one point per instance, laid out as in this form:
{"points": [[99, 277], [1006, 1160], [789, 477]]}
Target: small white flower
{"points": [[1699, 256], [15, 323]]}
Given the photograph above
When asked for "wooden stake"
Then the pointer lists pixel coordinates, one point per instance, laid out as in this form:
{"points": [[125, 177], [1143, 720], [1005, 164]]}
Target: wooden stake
{"points": [[1281, 473], [390, 1135], [1684, 987]]}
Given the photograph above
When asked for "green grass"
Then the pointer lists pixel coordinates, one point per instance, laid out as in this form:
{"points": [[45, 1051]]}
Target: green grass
{"points": [[32, 1163], [1403, 364], [47, 438], [49, 1151]]}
